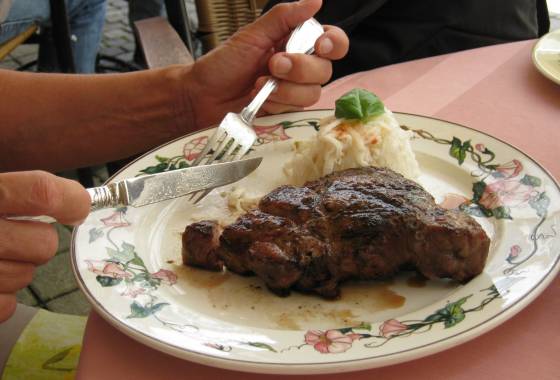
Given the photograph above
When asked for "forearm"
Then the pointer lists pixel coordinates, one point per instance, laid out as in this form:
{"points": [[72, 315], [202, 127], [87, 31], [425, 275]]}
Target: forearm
{"points": [[55, 121]]}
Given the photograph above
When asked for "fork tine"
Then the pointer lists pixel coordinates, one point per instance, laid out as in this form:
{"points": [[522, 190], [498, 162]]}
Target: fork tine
{"points": [[219, 148], [200, 195], [212, 141], [224, 143], [229, 152], [227, 157], [241, 152]]}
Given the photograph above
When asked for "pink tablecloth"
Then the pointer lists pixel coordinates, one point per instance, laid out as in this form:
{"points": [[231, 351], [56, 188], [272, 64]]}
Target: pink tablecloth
{"points": [[494, 89]]}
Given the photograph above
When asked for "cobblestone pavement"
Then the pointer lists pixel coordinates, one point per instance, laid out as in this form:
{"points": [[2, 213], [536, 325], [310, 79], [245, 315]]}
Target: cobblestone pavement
{"points": [[118, 40], [54, 286]]}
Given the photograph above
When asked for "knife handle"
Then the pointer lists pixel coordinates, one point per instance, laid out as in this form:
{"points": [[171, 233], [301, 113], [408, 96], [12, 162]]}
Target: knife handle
{"points": [[111, 195]]}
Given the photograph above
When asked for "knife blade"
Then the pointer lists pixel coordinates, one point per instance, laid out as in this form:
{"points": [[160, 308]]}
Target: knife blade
{"points": [[153, 188]]}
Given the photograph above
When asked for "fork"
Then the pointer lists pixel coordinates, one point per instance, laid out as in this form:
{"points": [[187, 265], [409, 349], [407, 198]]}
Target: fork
{"points": [[235, 136]]}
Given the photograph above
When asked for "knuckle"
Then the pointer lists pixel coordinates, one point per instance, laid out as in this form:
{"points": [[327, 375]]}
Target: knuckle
{"points": [[44, 196], [4, 194], [280, 9], [327, 73], [314, 95], [311, 69], [47, 247], [6, 239], [15, 275], [27, 273]]}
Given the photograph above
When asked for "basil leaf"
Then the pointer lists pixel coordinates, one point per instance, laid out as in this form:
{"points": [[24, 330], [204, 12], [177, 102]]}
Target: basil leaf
{"points": [[358, 104]]}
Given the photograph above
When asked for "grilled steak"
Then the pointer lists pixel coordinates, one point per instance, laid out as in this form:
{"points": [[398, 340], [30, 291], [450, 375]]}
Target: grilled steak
{"points": [[362, 224]]}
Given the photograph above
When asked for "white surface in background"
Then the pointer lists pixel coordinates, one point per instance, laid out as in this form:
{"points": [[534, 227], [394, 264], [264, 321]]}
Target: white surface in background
{"points": [[553, 6]]}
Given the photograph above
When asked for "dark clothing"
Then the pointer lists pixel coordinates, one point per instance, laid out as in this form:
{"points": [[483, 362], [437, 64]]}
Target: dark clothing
{"points": [[383, 32]]}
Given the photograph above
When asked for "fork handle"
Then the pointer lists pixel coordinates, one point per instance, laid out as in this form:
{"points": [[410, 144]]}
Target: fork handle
{"points": [[249, 113]]}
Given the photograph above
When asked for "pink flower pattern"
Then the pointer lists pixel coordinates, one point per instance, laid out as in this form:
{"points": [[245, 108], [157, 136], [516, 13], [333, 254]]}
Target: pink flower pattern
{"points": [[133, 291], [480, 147], [510, 169], [330, 341], [391, 328], [166, 276], [453, 201], [116, 219], [107, 268], [270, 133], [506, 193], [514, 251], [192, 149]]}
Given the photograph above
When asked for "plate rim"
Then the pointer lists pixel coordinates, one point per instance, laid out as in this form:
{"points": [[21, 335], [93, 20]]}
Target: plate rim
{"points": [[536, 61], [416, 352]]}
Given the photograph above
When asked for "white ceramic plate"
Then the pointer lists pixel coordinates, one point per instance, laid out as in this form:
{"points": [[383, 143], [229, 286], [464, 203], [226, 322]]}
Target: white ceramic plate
{"points": [[128, 263], [546, 55]]}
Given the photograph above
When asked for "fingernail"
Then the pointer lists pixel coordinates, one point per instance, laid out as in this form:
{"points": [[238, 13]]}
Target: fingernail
{"points": [[283, 65], [326, 46]]}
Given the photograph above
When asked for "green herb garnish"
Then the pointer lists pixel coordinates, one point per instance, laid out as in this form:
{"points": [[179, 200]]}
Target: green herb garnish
{"points": [[359, 104]]}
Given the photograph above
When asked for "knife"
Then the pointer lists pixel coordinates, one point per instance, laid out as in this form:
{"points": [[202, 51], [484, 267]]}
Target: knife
{"points": [[153, 188]]}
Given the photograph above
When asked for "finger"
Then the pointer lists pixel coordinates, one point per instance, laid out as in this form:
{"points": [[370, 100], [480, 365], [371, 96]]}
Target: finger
{"points": [[15, 275], [300, 68], [302, 95], [8, 305], [282, 18], [333, 44], [273, 108], [41, 193], [31, 242]]}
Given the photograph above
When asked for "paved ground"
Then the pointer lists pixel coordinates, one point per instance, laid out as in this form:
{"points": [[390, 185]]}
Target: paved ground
{"points": [[54, 287]]}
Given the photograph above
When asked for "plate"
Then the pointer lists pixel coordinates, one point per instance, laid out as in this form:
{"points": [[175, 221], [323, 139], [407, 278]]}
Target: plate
{"points": [[546, 55], [128, 263]]}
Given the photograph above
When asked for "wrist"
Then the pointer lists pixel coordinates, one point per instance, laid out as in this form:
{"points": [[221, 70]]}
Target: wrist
{"points": [[182, 86]]}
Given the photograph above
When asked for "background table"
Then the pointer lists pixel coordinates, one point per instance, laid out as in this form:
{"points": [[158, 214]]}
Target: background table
{"points": [[495, 90]]}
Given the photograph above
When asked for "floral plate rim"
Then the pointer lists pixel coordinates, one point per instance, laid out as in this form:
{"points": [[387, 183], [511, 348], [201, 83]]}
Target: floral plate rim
{"points": [[428, 348]]}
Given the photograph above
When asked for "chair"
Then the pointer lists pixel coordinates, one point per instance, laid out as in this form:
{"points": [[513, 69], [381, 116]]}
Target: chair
{"points": [[219, 19], [58, 35], [166, 42], [8, 46], [161, 44]]}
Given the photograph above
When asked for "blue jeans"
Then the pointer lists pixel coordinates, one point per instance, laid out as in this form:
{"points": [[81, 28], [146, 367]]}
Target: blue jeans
{"points": [[86, 25]]}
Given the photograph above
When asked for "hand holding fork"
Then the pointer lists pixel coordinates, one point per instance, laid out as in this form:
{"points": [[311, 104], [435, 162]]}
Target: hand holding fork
{"points": [[235, 135]]}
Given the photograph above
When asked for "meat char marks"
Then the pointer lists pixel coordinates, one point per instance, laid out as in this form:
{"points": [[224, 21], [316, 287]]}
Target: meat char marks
{"points": [[361, 224]]}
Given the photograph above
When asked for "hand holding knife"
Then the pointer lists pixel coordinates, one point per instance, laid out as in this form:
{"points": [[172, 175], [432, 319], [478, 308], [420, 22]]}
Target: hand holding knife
{"points": [[153, 188]]}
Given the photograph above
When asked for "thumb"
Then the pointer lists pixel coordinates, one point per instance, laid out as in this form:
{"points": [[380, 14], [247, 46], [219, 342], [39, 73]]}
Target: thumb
{"points": [[281, 19], [40, 193]]}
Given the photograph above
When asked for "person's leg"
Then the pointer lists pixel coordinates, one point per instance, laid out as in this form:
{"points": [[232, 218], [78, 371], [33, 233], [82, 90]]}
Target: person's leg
{"points": [[86, 24], [22, 14]]}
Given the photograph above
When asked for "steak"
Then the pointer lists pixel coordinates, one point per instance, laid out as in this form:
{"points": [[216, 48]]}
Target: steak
{"points": [[363, 224]]}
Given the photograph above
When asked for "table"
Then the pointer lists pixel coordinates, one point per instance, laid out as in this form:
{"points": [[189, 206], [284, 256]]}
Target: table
{"points": [[494, 89]]}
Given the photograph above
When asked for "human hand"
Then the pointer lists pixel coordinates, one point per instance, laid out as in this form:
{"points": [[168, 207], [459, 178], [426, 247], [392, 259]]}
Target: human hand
{"points": [[226, 79], [25, 245]]}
